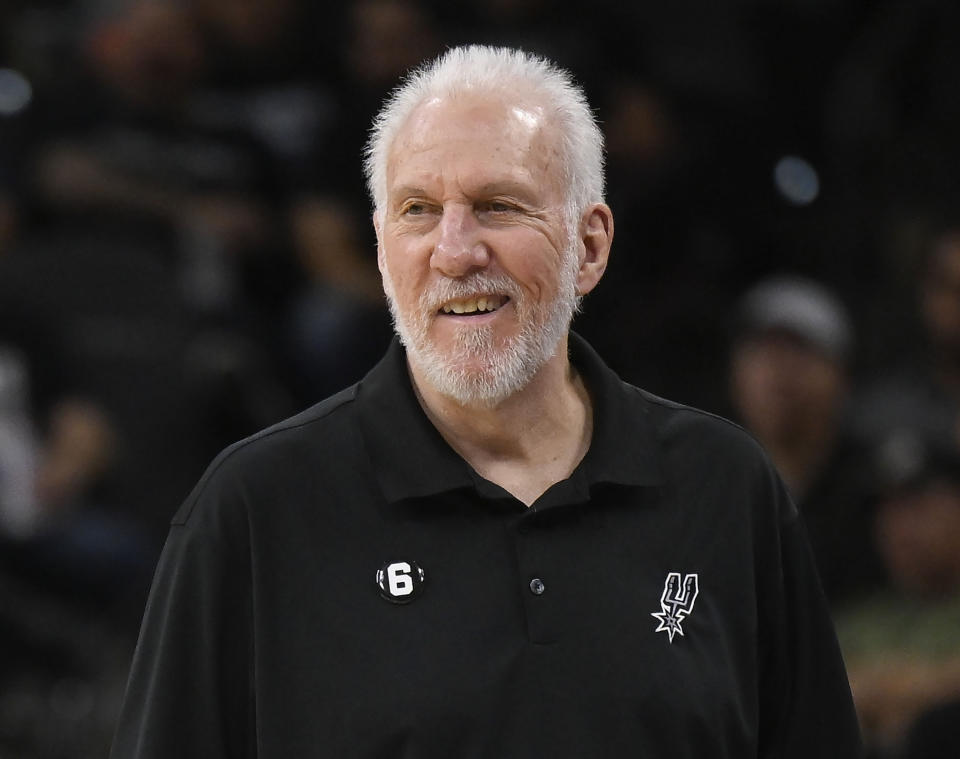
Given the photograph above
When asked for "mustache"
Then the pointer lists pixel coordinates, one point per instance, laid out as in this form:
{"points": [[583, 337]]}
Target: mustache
{"points": [[477, 283]]}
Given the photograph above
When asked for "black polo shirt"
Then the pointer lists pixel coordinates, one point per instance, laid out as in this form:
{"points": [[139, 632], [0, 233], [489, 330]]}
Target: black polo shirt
{"points": [[661, 602]]}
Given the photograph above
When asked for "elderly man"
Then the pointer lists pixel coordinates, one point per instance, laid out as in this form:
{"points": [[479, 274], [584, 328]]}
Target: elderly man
{"points": [[490, 546]]}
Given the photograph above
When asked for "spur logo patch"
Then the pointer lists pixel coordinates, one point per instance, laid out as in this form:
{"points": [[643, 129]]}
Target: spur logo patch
{"points": [[676, 603]]}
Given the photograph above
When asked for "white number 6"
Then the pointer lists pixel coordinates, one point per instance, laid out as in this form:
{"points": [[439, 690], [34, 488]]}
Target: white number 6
{"points": [[399, 580]]}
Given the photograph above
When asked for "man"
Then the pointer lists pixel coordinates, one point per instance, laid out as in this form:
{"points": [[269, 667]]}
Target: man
{"points": [[789, 377], [901, 642], [486, 548]]}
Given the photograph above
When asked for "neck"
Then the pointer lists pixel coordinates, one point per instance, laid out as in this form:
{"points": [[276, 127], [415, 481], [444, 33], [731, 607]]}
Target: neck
{"points": [[528, 442], [800, 458]]}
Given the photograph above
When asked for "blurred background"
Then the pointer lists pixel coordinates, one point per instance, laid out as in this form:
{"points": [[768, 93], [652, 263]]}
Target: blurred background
{"points": [[186, 257]]}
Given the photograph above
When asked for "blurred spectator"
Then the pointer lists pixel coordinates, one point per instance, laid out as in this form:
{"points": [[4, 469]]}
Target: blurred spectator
{"points": [[338, 324], [252, 41], [902, 645], [335, 316], [154, 251], [789, 383], [132, 161], [56, 441], [379, 41], [270, 72], [891, 114], [669, 264], [940, 305], [934, 734], [72, 577], [18, 458], [385, 38], [62, 447], [921, 386]]}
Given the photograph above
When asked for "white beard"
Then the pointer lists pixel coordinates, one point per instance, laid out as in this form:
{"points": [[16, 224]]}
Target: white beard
{"points": [[477, 371]]}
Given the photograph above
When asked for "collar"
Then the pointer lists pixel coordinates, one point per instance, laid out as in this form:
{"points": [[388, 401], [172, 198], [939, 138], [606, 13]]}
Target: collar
{"points": [[412, 459]]}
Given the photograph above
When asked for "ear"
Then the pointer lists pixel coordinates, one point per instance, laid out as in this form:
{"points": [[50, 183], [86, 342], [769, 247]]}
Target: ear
{"points": [[378, 230], [596, 237]]}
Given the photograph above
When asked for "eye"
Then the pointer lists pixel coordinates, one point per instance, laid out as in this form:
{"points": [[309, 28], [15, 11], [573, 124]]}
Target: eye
{"points": [[497, 206], [413, 209]]}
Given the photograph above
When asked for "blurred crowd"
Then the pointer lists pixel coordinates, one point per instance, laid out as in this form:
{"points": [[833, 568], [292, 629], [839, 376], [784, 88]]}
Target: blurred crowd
{"points": [[186, 257]]}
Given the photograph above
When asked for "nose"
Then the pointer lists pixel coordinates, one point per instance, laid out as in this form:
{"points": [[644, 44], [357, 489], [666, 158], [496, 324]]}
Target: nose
{"points": [[459, 248]]}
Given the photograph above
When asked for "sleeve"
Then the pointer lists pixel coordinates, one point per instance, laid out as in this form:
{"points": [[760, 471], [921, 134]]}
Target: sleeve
{"points": [[189, 693], [806, 709]]}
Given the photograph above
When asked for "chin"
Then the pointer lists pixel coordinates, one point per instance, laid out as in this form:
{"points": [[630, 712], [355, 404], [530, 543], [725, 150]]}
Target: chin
{"points": [[477, 382]]}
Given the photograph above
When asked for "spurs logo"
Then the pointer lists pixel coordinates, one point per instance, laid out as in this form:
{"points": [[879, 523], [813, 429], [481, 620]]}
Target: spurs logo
{"points": [[676, 603]]}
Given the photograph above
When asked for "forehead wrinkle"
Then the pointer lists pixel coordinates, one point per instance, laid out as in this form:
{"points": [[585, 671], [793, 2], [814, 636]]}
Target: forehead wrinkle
{"points": [[470, 182], [500, 124]]}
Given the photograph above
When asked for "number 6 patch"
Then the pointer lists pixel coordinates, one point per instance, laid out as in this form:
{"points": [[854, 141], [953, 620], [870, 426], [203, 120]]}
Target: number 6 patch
{"points": [[400, 581]]}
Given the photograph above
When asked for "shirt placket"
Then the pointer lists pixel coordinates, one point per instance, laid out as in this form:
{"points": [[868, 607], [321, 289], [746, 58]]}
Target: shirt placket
{"points": [[539, 579]]}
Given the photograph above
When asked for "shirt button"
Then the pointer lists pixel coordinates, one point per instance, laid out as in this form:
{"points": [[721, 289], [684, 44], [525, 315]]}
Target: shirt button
{"points": [[536, 586]]}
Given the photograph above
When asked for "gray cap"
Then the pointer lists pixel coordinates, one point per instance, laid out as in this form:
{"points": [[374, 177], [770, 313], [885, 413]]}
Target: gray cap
{"points": [[800, 307], [908, 458]]}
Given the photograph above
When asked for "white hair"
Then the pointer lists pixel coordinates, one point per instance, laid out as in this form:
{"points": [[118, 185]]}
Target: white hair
{"points": [[505, 72]]}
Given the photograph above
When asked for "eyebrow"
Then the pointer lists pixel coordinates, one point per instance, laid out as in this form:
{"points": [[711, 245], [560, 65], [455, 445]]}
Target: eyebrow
{"points": [[495, 187], [406, 191], [506, 186]]}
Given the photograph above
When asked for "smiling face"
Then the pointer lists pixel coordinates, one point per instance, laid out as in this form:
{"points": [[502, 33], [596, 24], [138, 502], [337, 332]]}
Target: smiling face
{"points": [[480, 267]]}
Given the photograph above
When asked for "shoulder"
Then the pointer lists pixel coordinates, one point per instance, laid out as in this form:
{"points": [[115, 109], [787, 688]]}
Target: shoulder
{"points": [[706, 454], [281, 452], [700, 434]]}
